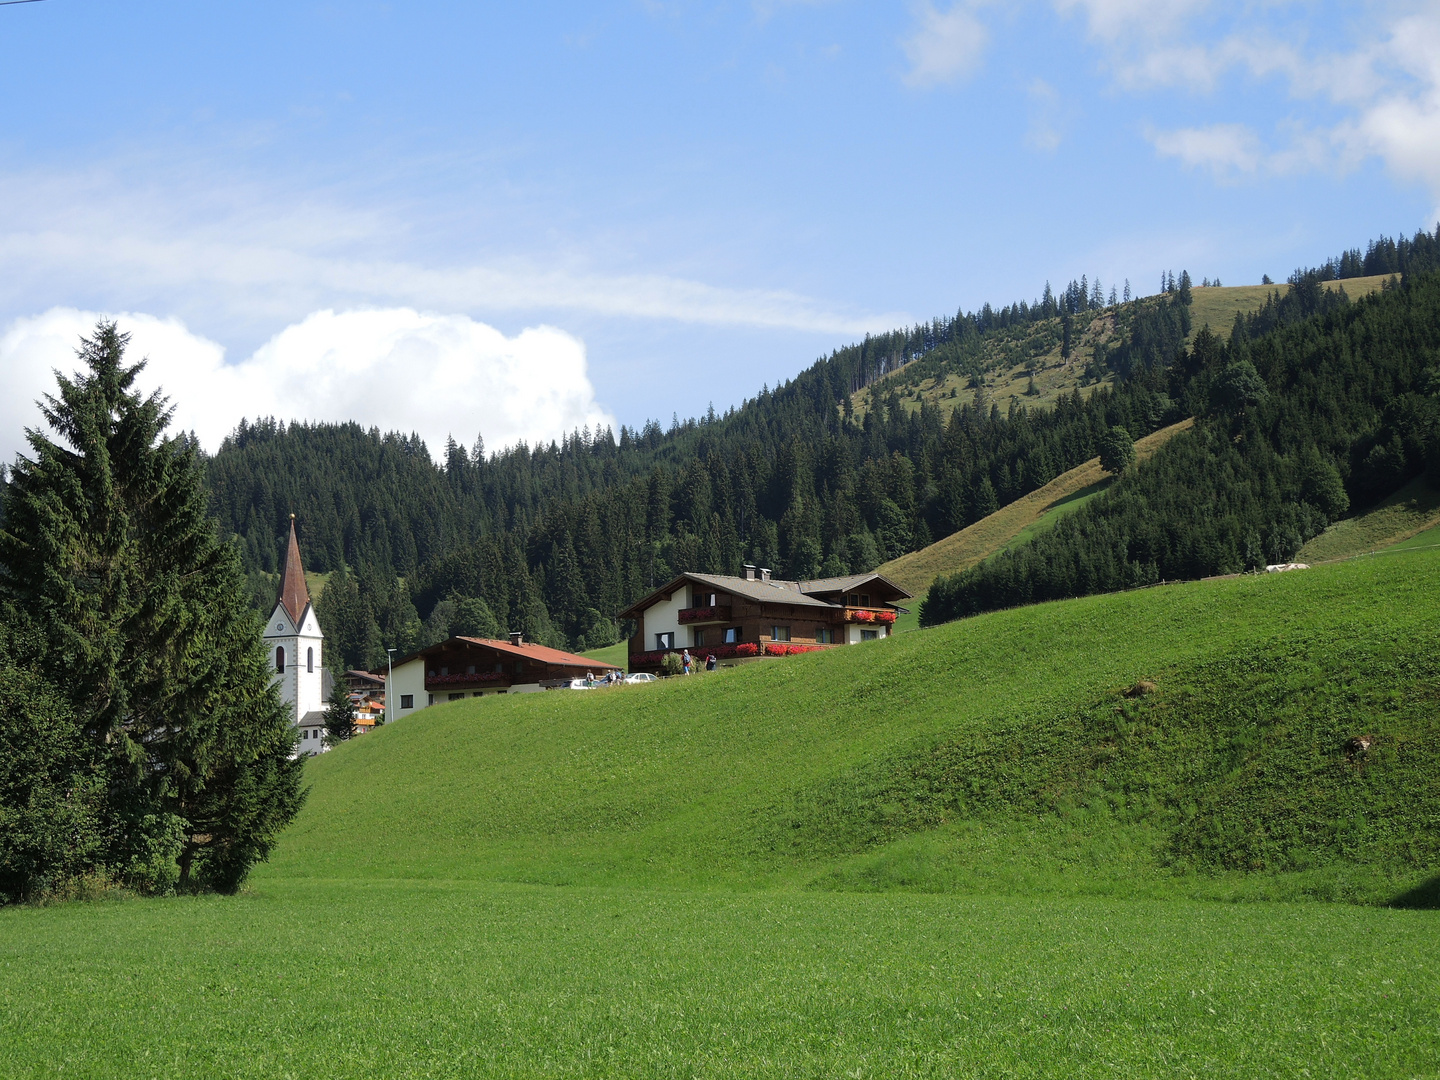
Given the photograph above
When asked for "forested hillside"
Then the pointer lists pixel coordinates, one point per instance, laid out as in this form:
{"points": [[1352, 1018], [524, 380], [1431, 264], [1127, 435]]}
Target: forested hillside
{"points": [[1314, 406], [552, 540]]}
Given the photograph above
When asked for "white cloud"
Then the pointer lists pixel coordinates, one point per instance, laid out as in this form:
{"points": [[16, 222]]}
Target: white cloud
{"points": [[1221, 148], [1046, 117], [251, 256], [1383, 94], [1114, 19], [946, 46], [395, 369]]}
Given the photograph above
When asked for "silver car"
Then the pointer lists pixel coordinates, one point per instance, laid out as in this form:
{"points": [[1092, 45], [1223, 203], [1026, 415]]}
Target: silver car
{"points": [[640, 677]]}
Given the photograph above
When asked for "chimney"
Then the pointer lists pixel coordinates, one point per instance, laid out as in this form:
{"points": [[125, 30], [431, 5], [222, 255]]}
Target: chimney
{"points": [[749, 572], [517, 638], [764, 574]]}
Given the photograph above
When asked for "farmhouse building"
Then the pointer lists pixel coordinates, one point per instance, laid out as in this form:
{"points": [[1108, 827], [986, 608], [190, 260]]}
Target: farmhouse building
{"points": [[756, 615], [478, 667]]}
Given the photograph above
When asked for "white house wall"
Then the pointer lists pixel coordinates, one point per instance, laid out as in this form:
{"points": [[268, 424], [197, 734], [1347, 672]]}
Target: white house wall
{"points": [[664, 617]]}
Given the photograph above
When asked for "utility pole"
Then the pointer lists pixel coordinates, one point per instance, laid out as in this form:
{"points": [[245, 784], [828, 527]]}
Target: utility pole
{"points": [[389, 682]]}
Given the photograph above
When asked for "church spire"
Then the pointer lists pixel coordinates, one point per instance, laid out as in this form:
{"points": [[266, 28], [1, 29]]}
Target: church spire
{"points": [[294, 596]]}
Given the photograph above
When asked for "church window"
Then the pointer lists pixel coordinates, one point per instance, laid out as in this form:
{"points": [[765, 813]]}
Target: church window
{"points": [[310, 661], [280, 660]]}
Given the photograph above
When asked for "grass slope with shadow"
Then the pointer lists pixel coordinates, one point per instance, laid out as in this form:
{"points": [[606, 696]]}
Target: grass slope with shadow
{"points": [[1237, 776]]}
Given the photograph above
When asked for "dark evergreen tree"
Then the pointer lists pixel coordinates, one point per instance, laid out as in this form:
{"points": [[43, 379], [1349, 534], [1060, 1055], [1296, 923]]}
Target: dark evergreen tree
{"points": [[1117, 451], [339, 714], [109, 554]]}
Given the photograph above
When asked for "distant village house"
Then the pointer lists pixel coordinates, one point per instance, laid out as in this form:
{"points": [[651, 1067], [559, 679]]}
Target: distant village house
{"points": [[465, 667]]}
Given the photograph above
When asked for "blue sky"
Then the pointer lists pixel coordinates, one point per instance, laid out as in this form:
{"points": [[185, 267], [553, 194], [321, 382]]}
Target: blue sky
{"points": [[332, 210]]}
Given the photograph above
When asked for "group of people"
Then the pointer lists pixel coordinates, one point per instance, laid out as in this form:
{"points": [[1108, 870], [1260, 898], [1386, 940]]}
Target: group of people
{"points": [[688, 662]]}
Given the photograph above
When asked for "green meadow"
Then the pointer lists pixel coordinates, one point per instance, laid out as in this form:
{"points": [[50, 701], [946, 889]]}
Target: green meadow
{"points": [[977, 850]]}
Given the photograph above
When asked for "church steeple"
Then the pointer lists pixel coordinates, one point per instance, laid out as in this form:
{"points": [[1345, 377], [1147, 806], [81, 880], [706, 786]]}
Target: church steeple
{"points": [[294, 596]]}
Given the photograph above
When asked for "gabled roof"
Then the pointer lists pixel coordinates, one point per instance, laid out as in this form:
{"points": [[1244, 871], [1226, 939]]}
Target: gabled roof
{"points": [[528, 650], [294, 596], [850, 584], [774, 591]]}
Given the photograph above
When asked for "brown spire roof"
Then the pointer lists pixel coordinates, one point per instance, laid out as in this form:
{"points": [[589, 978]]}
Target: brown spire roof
{"points": [[294, 596]]}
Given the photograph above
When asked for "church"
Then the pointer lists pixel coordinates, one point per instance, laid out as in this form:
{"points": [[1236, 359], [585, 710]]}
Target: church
{"points": [[294, 639]]}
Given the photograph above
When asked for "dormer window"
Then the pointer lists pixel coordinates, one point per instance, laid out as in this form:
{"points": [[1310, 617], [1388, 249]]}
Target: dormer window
{"points": [[280, 660]]}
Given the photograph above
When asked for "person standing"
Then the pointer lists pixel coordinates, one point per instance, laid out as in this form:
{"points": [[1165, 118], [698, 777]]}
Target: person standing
{"points": [[685, 660]]}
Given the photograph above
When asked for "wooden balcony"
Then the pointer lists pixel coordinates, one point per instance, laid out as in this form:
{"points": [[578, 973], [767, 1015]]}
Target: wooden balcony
{"points": [[480, 680], [694, 616]]}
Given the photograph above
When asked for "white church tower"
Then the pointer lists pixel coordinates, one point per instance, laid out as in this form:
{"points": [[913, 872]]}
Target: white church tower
{"points": [[294, 638]]}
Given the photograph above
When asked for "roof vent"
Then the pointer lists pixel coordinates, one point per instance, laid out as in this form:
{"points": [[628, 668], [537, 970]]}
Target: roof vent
{"points": [[764, 574], [749, 572], [517, 638]]}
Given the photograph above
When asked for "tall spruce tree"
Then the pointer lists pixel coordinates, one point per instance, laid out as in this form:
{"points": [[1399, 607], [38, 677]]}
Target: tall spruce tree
{"points": [[147, 633]]}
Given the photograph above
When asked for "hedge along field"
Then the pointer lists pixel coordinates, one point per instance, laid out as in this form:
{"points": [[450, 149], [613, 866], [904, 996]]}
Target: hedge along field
{"points": [[1010, 724]]}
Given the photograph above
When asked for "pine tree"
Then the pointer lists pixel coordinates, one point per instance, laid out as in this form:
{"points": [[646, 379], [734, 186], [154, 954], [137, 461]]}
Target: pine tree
{"points": [[110, 554], [339, 714]]}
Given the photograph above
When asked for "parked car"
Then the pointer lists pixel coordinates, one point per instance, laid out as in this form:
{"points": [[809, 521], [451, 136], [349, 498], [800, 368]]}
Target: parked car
{"points": [[640, 677], [579, 684]]}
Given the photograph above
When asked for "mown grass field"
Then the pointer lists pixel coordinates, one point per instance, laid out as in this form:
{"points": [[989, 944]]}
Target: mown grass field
{"points": [[957, 852], [392, 979]]}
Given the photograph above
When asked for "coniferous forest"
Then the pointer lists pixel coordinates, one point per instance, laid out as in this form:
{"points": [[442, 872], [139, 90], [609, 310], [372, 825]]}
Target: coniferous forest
{"points": [[1314, 406], [552, 540]]}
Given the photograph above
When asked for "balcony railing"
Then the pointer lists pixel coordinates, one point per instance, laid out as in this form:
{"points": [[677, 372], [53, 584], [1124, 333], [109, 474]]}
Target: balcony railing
{"points": [[870, 616], [691, 615], [479, 678]]}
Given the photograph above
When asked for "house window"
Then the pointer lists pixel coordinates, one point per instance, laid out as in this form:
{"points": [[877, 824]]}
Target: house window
{"points": [[310, 661], [864, 599], [854, 599], [824, 635], [499, 668], [779, 633], [869, 635], [444, 671], [732, 635], [470, 670], [699, 638], [664, 641], [280, 660], [432, 699], [407, 701], [457, 697]]}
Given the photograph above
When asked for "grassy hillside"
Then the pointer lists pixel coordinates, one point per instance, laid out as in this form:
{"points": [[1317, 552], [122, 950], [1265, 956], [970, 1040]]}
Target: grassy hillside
{"points": [[1015, 523], [1411, 510], [994, 753], [1217, 308], [1024, 364], [617, 654], [959, 852]]}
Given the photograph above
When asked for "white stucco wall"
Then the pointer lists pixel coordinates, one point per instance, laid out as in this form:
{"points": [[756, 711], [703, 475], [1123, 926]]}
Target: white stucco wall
{"points": [[409, 678], [664, 616]]}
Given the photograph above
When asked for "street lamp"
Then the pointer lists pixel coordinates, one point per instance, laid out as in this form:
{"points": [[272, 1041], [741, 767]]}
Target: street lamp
{"points": [[389, 683]]}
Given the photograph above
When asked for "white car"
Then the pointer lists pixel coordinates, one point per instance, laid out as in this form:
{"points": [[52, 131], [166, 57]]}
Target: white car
{"points": [[640, 677], [579, 684]]}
